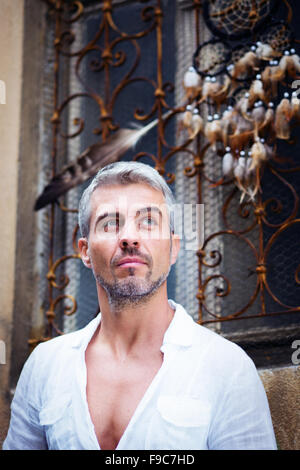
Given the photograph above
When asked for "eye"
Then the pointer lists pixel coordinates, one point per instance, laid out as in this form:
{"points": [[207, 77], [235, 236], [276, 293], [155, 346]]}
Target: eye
{"points": [[111, 225], [148, 222]]}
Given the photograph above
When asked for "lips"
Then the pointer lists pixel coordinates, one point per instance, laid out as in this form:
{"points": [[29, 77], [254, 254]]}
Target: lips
{"points": [[130, 261]]}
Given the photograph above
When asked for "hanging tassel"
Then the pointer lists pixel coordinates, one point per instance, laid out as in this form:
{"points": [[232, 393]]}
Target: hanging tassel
{"points": [[271, 76], [253, 179], [282, 118], [256, 91], [243, 105], [249, 181], [258, 154], [210, 87], [290, 63], [215, 90], [267, 124], [245, 66], [186, 121], [265, 51], [239, 172], [295, 106], [228, 163], [243, 132], [191, 83], [228, 124], [213, 130], [258, 116], [196, 124]]}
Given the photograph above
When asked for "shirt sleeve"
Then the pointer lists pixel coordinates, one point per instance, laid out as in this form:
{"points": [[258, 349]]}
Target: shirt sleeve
{"points": [[25, 432], [243, 420]]}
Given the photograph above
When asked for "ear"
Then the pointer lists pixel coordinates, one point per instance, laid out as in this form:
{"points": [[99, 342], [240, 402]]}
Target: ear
{"points": [[175, 247], [83, 246]]}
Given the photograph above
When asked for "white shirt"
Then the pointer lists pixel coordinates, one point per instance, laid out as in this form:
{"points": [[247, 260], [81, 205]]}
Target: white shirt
{"points": [[206, 395]]}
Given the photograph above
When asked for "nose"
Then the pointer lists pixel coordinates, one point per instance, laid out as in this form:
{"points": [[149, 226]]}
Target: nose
{"points": [[129, 236]]}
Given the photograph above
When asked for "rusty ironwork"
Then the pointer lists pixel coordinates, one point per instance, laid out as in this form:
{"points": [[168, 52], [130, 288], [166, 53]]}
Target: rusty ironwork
{"points": [[65, 14], [279, 36]]}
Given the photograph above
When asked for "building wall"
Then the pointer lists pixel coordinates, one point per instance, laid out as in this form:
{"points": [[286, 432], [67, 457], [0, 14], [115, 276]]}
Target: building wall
{"points": [[11, 49], [282, 386]]}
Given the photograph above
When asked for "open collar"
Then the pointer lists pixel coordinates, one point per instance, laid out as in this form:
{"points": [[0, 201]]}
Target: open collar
{"points": [[180, 332], [181, 329]]}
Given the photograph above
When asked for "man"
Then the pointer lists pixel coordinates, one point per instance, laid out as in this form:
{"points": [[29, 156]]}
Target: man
{"points": [[143, 374]]}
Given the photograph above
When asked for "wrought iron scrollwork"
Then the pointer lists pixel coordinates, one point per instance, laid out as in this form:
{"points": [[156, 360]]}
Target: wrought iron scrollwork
{"points": [[238, 27]]}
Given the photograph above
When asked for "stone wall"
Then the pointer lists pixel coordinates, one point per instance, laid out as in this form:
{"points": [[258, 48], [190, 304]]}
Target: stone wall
{"points": [[282, 386], [11, 50]]}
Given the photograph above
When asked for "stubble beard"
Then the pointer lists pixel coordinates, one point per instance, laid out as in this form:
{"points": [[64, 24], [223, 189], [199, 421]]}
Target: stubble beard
{"points": [[132, 290]]}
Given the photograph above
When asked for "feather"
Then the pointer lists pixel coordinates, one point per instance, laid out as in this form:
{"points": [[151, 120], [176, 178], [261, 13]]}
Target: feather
{"points": [[196, 124], [243, 132], [239, 173], [290, 64], [295, 106], [258, 116], [259, 155], [245, 65], [187, 117], [265, 51], [191, 83], [228, 163], [268, 122], [245, 177], [213, 131], [271, 76], [90, 161], [248, 170], [214, 90], [239, 169], [228, 124], [282, 119], [210, 88], [186, 121], [256, 91], [242, 106]]}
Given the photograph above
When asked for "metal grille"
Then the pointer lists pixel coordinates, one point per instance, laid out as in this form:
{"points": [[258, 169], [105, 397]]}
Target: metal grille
{"points": [[106, 56]]}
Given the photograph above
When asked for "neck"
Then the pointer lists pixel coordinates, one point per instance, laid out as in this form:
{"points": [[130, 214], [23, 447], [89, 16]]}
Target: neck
{"points": [[137, 327]]}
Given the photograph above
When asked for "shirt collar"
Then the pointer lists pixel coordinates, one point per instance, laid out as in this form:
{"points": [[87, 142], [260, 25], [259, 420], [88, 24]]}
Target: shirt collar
{"points": [[181, 329], [180, 332], [82, 337]]}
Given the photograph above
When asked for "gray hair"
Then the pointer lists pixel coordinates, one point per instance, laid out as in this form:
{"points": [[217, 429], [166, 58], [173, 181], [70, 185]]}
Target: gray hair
{"points": [[123, 173]]}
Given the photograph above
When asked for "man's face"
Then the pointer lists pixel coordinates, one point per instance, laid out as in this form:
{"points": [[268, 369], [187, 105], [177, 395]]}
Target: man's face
{"points": [[130, 248]]}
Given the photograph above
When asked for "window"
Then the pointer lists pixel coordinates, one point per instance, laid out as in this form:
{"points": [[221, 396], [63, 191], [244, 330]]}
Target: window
{"points": [[121, 62]]}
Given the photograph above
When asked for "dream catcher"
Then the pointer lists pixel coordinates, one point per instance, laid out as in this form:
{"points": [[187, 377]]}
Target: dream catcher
{"points": [[247, 89], [233, 19]]}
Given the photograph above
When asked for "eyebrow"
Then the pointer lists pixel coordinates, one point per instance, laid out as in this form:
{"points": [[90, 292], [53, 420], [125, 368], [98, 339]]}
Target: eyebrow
{"points": [[150, 209], [105, 215]]}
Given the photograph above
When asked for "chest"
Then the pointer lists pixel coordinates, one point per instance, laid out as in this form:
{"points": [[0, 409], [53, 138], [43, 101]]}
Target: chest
{"points": [[114, 392]]}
